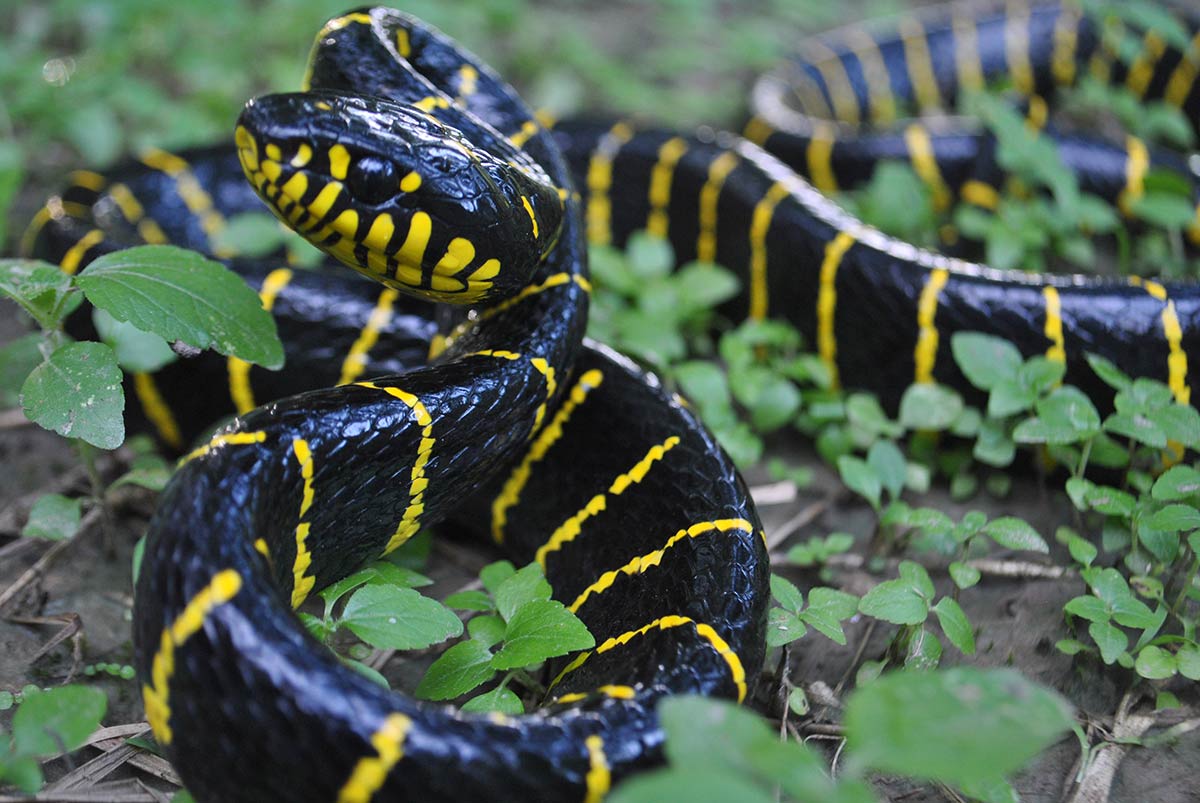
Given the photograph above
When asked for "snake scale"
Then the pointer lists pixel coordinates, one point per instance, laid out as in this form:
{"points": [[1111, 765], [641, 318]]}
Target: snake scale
{"points": [[411, 161]]}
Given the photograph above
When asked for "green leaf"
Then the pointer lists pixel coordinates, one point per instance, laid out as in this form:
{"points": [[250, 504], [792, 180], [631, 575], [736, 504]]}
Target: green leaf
{"points": [[1138, 427], [456, 671], [1188, 661], [1180, 423], [1165, 210], [77, 393], [22, 772], [470, 600], [1008, 398], [786, 594], [1111, 640], [703, 382], [499, 699], [181, 295], [398, 618], [889, 465], [994, 446], [696, 785], [783, 627], [955, 625], [496, 573], [136, 350], [1015, 533], [827, 607], [17, 359], [1109, 373], [922, 650], [541, 629], [57, 720], [1070, 646], [776, 402], [985, 360], [964, 575], [374, 675], [960, 725], [378, 573], [860, 478], [53, 517], [702, 285], [251, 234], [525, 586], [41, 289], [487, 630], [1088, 607], [928, 406], [649, 256], [1175, 518], [1176, 483], [1155, 663], [895, 601]]}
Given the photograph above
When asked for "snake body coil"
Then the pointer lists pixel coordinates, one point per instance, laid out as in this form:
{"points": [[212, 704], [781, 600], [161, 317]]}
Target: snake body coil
{"points": [[409, 160]]}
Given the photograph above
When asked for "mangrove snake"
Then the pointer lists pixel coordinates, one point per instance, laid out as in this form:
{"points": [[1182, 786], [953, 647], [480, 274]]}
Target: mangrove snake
{"points": [[411, 161]]}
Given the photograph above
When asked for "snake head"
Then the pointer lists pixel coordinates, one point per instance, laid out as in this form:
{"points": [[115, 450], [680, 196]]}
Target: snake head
{"points": [[399, 196]]}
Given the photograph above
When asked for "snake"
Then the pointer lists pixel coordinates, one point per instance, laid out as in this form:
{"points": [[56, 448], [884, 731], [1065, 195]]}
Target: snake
{"points": [[409, 160]]}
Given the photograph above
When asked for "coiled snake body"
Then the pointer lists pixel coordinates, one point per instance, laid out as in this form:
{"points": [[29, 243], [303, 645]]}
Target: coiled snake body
{"points": [[411, 161]]}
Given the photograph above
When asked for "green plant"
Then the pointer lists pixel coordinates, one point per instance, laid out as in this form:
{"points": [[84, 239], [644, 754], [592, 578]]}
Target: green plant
{"points": [[47, 723]]}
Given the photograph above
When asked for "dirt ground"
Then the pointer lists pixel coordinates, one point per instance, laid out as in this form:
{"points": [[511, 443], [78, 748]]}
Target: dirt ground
{"points": [[65, 607]]}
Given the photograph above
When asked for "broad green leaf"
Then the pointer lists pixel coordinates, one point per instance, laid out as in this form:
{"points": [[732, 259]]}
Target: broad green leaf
{"points": [[1111, 640], [17, 359], [499, 699], [181, 295], [994, 446], [955, 625], [456, 671], [1176, 483], [541, 629], [1108, 372], [378, 573], [487, 630], [527, 585], [703, 382], [1179, 422], [786, 594], [827, 607], [398, 618], [1088, 607], [57, 720], [889, 464], [1175, 518], [783, 627], [649, 256], [136, 350], [1015, 533], [916, 576], [251, 234], [1070, 646], [702, 285], [470, 600], [496, 573], [922, 650], [54, 517], [22, 772], [1155, 663], [927, 406], [77, 393], [860, 478], [41, 289], [1138, 427], [964, 575], [695, 785], [374, 675], [985, 360], [895, 601], [1188, 660], [960, 725]]}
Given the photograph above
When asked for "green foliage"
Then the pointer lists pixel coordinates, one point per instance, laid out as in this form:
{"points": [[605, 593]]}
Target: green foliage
{"points": [[164, 293], [54, 517], [517, 626], [47, 723]]}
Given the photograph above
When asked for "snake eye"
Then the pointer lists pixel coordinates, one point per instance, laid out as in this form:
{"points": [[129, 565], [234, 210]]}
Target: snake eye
{"points": [[372, 180]]}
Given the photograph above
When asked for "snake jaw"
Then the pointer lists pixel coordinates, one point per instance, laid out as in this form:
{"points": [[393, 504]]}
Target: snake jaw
{"points": [[459, 229]]}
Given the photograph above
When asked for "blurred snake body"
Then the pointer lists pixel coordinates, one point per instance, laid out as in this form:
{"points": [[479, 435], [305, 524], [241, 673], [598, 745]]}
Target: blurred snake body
{"points": [[412, 162]]}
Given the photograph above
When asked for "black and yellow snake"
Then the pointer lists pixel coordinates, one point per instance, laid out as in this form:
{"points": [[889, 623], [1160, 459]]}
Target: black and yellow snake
{"points": [[409, 160]]}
